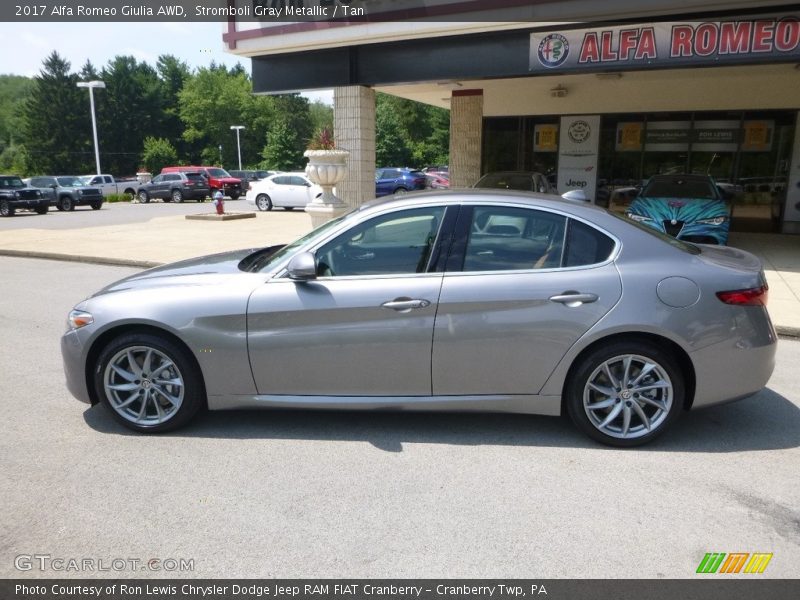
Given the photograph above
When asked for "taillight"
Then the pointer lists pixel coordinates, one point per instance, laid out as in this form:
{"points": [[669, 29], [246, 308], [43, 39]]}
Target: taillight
{"points": [[752, 297]]}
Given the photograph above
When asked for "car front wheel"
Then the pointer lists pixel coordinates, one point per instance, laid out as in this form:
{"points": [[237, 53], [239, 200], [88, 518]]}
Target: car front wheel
{"points": [[263, 202], [66, 203], [625, 394], [144, 197], [149, 382], [177, 196]]}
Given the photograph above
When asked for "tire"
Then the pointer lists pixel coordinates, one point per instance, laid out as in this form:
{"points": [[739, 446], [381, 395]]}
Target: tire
{"points": [[96, 205], [599, 405], [235, 195], [177, 196], [263, 202], [134, 396], [66, 203], [6, 210], [42, 210], [144, 197], [400, 191]]}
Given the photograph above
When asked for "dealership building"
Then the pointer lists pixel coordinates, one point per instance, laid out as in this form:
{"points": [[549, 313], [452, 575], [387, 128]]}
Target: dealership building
{"points": [[598, 95]]}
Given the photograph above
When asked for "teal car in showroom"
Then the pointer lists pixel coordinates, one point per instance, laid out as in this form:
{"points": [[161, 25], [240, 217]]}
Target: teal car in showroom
{"points": [[691, 208]]}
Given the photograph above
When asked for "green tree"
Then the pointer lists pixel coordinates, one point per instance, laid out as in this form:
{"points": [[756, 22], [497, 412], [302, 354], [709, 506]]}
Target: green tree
{"points": [[56, 121], [391, 148], [173, 75], [321, 115], [129, 109], [281, 152], [158, 153], [411, 133], [14, 91]]}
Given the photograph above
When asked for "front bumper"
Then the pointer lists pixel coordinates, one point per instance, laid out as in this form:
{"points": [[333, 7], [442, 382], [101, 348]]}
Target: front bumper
{"points": [[72, 354], [29, 204]]}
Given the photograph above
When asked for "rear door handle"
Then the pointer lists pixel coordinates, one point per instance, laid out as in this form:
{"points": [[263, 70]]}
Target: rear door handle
{"points": [[406, 304], [574, 299]]}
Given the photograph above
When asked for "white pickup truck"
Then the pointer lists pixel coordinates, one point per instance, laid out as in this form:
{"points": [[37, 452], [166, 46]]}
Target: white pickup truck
{"points": [[109, 185]]}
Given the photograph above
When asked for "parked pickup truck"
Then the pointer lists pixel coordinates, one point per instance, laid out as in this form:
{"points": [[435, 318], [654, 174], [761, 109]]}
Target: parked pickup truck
{"points": [[15, 195], [65, 192], [109, 185]]}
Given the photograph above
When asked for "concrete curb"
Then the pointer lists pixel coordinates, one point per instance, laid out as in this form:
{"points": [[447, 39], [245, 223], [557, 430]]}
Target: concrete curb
{"points": [[782, 331], [96, 260]]}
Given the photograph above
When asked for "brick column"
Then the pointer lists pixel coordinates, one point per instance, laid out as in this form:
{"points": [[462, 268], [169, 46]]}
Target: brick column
{"points": [[466, 136], [354, 130]]}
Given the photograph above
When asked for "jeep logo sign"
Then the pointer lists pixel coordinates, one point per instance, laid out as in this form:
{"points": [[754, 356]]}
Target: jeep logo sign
{"points": [[577, 154]]}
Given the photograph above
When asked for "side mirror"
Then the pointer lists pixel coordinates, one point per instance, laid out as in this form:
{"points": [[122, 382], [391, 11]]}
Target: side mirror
{"points": [[302, 267], [575, 196]]}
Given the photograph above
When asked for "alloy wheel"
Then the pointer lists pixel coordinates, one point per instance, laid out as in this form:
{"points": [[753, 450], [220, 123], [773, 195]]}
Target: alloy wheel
{"points": [[628, 396], [143, 385]]}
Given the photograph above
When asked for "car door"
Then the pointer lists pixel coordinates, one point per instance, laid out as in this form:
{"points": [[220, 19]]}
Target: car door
{"points": [[155, 186], [279, 191], [364, 326], [522, 286], [385, 180], [300, 191], [47, 185]]}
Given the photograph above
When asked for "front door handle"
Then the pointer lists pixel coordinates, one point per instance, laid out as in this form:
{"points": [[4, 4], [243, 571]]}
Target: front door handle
{"points": [[574, 299], [406, 304]]}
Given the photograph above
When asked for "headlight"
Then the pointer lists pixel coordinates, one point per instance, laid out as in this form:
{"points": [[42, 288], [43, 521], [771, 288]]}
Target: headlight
{"points": [[79, 318], [637, 218], [38, 194], [16, 195], [80, 192], [713, 221]]}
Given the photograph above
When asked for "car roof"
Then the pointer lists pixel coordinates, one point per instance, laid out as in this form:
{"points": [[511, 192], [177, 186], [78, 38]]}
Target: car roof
{"points": [[487, 196]]}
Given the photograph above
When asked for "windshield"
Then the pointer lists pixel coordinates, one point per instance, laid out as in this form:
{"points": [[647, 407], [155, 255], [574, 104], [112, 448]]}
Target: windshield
{"points": [[507, 181], [217, 172], [680, 188], [271, 260], [69, 181], [11, 182]]}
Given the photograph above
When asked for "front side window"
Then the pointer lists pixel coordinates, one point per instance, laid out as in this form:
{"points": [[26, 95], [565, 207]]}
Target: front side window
{"points": [[395, 244], [505, 238]]}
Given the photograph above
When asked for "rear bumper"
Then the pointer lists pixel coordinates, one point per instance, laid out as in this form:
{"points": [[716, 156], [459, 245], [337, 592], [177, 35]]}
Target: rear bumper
{"points": [[741, 365]]}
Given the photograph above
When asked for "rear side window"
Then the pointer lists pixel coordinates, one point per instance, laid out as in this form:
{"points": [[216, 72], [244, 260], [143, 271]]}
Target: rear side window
{"points": [[194, 177], [586, 245], [281, 180]]}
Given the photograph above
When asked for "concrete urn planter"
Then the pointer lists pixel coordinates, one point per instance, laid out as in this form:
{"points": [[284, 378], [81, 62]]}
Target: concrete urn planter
{"points": [[326, 168]]}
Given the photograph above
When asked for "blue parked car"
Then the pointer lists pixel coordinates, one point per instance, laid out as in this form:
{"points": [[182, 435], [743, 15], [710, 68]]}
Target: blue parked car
{"points": [[394, 180], [691, 208]]}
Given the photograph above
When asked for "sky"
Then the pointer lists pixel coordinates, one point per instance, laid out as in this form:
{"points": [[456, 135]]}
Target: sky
{"points": [[23, 46]]}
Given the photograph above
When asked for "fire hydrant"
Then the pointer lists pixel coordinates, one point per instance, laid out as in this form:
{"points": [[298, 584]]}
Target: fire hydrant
{"points": [[219, 203]]}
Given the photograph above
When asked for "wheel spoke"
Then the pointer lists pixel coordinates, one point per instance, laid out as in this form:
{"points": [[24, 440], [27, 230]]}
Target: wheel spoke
{"points": [[610, 376], [124, 387], [132, 364], [171, 399], [143, 409], [602, 404], [659, 385], [127, 376], [147, 360], [653, 402], [130, 399], [178, 382], [648, 368], [605, 391], [611, 416], [641, 414], [626, 419], [626, 374]]}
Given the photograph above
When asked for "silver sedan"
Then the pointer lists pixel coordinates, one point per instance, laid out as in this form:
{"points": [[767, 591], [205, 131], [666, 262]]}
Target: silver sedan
{"points": [[465, 301]]}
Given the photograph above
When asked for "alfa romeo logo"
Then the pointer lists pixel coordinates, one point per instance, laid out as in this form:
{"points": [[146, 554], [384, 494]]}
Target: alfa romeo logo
{"points": [[553, 50], [579, 131]]}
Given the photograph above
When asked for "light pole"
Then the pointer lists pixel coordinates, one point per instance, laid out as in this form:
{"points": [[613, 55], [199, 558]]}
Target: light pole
{"points": [[91, 85], [238, 145]]}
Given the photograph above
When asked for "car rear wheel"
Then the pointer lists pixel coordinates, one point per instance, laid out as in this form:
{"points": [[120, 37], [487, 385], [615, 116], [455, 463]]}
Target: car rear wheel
{"points": [[96, 205], [400, 191], [625, 394], [144, 197], [235, 195], [149, 382], [263, 202], [177, 196], [42, 210], [6, 210], [66, 203]]}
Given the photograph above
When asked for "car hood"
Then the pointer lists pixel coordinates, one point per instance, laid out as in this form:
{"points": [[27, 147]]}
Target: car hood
{"points": [[204, 270], [678, 209]]}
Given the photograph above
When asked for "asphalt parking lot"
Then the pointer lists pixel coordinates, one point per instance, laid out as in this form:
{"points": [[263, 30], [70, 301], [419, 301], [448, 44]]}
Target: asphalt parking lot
{"points": [[117, 213], [312, 494]]}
